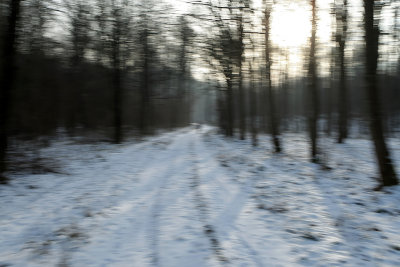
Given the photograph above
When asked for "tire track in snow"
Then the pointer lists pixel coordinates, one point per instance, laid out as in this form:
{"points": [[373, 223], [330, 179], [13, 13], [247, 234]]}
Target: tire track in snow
{"points": [[209, 229], [140, 207], [223, 222], [176, 165], [227, 217]]}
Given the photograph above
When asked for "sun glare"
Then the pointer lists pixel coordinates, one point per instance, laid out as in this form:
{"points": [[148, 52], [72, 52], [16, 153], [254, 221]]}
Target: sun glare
{"points": [[290, 25], [291, 31]]}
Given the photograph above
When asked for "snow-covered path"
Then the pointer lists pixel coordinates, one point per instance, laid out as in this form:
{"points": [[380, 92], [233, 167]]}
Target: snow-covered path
{"points": [[192, 198]]}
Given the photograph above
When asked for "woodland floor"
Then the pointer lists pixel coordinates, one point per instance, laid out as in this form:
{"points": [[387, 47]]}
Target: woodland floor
{"points": [[194, 198]]}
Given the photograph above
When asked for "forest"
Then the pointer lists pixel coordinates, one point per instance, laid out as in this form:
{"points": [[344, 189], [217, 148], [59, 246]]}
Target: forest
{"points": [[196, 127]]}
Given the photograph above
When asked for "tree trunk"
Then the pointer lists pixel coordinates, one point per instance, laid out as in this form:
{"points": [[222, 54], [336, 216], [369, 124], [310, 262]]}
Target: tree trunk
{"points": [[145, 88], [117, 94], [221, 109], [8, 82], [229, 107], [117, 106], [388, 175], [342, 102], [242, 110], [313, 91], [271, 98], [341, 34], [253, 109]]}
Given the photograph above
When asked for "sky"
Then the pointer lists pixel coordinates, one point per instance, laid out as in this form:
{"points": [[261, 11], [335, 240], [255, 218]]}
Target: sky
{"points": [[291, 30]]}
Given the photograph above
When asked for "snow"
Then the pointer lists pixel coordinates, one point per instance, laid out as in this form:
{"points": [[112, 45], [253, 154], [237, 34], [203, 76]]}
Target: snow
{"points": [[194, 198]]}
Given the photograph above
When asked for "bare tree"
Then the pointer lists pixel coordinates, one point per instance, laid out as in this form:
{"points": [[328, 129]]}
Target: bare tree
{"points": [[253, 106], [341, 30], [79, 15], [9, 53], [147, 53], [271, 96], [242, 108], [185, 35], [35, 16], [79, 30], [387, 172], [116, 65], [114, 20], [224, 49], [313, 98]]}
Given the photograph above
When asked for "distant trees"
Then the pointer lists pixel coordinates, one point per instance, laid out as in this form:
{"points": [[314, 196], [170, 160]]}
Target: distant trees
{"points": [[114, 48], [185, 41], [80, 68], [35, 18], [120, 21], [185, 37], [225, 49], [371, 26], [79, 30]]}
